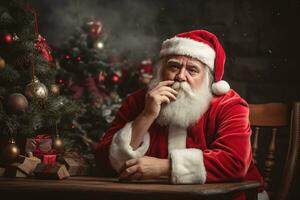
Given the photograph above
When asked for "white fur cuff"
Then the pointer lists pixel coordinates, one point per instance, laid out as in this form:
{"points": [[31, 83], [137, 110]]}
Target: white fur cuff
{"points": [[187, 166], [120, 150]]}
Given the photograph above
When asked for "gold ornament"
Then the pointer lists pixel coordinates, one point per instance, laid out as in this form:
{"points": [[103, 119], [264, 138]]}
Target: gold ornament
{"points": [[2, 63], [36, 89], [11, 152], [54, 89], [17, 102], [57, 142]]}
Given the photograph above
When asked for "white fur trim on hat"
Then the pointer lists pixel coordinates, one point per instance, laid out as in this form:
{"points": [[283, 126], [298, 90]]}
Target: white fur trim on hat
{"points": [[120, 150], [187, 166], [220, 87], [189, 47]]}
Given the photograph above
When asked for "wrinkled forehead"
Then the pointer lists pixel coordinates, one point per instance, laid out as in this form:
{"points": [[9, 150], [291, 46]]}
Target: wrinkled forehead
{"points": [[179, 59]]}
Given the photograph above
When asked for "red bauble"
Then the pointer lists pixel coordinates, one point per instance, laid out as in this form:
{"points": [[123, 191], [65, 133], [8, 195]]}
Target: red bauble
{"points": [[115, 78], [8, 38], [95, 29], [42, 46], [67, 57], [72, 126], [60, 81]]}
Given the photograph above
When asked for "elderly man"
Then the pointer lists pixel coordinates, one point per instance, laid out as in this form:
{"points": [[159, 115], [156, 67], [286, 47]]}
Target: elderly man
{"points": [[187, 125]]}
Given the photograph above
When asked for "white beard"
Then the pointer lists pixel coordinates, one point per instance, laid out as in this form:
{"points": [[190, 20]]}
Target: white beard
{"points": [[189, 106]]}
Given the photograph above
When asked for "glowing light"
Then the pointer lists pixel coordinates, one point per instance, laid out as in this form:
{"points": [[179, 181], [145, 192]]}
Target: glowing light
{"points": [[100, 45]]}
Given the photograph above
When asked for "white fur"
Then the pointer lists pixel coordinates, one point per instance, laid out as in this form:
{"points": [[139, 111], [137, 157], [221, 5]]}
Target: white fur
{"points": [[189, 47], [263, 195], [187, 166], [189, 106], [120, 150], [220, 87], [176, 138]]}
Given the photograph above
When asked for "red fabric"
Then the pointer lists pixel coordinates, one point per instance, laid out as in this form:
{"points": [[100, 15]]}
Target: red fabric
{"points": [[222, 133]]}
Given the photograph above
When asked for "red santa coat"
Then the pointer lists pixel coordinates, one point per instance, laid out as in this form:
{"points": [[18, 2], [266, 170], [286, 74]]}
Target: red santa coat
{"points": [[216, 149]]}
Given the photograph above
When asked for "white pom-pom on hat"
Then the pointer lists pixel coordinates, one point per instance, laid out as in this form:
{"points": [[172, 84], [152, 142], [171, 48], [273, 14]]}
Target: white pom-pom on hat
{"points": [[220, 87]]}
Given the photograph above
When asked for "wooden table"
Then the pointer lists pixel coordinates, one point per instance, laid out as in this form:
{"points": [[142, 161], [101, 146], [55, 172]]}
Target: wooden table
{"points": [[96, 188]]}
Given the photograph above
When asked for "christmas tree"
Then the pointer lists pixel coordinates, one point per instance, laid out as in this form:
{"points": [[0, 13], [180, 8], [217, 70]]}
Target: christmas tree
{"points": [[30, 103], [93, 73]]}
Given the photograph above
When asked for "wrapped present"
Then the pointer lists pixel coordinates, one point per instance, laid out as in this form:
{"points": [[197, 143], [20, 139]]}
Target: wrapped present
{"points": [[40, 145], [51, 171], [23, 168], [75, 163], [49, 159]]}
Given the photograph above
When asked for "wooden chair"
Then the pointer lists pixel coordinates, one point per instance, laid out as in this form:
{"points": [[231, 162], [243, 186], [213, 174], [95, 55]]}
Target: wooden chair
{"points": [[278, 119]]}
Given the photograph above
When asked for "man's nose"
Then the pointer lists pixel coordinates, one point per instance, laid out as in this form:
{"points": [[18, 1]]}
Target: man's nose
{"points": [[181, 75]]}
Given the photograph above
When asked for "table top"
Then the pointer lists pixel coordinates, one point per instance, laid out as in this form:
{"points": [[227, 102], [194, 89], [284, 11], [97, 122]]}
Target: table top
{"points": [[112, 185]]}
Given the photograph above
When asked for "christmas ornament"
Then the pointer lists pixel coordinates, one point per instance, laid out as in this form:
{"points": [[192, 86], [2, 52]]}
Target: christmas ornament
{"points": [[43, 48], [67, 57], [7, 38], [54, 89], [11, 152], [94, 29], [115, 78], [36, 89], [60, 81], [2, 63], [57, 142], [78, 58], [145, 72], [17, 102]]}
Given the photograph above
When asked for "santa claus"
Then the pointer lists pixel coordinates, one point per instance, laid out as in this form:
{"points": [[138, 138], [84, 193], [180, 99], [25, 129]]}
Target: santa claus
{"points": [[187, 125]]}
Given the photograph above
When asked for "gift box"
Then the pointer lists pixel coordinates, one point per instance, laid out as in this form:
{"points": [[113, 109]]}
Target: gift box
{"points": [[49, 159], [40, 145], [51, 171], [75, 163]]}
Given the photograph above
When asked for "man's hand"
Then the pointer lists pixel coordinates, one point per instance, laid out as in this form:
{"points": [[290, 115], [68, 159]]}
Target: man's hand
{"points": [[145, 168], [162, 93]]}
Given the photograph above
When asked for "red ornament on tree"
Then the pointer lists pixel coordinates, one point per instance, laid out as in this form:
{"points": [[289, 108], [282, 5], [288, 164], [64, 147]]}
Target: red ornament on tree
{"points": [[95, 29], [60, 81], [67, 57], [8, 38], [115, 78], [42, 46], [145, 72]]}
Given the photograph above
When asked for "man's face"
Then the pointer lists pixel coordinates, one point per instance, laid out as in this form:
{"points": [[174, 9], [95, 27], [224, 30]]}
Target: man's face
{"points": [[184, 68]]}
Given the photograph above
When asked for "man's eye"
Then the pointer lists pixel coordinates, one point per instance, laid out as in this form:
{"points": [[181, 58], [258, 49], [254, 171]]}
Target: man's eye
{"points": [[193, 71], [174, 67]]}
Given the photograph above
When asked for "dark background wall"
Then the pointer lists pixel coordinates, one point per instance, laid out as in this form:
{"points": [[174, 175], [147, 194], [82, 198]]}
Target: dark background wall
{"points": [[260, 37]]}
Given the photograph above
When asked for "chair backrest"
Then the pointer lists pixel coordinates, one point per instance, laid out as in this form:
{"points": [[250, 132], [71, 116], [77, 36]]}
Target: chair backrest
{"points": [[272, 119]]}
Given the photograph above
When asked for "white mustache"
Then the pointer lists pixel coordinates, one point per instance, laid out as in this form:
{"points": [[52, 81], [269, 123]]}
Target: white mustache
{"points": [[183, 87]]}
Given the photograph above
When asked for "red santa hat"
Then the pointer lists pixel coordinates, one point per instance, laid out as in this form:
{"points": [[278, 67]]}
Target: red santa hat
{"points": [[204, 46]]}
